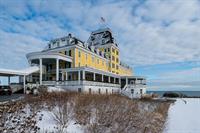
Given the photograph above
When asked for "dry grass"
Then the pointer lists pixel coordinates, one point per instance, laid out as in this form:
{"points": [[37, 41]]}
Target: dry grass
{"points": [[97, 113]]}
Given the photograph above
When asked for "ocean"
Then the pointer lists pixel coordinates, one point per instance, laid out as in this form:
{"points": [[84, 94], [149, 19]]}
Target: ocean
{"points": [[188, 93]]}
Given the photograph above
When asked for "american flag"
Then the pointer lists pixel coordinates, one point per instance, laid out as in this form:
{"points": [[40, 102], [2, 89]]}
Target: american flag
{"points": [[102, 19]]}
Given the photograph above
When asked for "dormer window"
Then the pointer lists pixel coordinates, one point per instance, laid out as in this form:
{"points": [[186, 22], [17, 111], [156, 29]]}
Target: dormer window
{"points": [[58, 44], [103, 41]]}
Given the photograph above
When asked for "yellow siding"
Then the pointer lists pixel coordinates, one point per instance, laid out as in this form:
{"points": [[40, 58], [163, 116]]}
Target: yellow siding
{"points": [[125, 72], [88, 61]]}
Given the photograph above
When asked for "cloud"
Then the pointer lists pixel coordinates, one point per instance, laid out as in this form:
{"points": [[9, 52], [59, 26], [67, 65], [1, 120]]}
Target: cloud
{"points": [[148, 32], [13, 48], [177, 80]]}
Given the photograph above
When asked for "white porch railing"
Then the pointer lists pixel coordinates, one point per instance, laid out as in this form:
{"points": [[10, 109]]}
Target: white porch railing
{"points": [[126, 91], [81, 82]]}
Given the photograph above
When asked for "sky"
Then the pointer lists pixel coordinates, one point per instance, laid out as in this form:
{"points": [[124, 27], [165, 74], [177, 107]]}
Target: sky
{"points": [[158, 38]]}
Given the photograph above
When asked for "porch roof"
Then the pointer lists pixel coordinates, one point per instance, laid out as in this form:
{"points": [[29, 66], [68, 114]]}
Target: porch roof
{"points": [[10, 72], [89, 69], [48, 55]]}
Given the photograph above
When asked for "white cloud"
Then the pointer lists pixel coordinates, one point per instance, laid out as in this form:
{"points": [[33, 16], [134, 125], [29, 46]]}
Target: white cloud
{"points": [[152, 32], [14, 47], [177, 80]]}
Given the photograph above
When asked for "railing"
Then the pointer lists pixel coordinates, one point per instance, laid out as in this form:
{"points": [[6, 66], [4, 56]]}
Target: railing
{"points": [[136, 85], [81, 82], [126, 90], [49, 82]]}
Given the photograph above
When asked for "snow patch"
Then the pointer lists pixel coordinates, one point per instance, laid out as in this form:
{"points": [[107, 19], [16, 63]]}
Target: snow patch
{"points": [[48, 124], [184, 116], [55, 89]]}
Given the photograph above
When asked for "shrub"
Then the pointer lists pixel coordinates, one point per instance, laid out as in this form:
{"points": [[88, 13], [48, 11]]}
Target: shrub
{"points": [[42, 89]]}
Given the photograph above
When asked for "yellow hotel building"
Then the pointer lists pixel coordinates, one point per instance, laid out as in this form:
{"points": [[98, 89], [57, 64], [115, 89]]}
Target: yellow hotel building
{"points": [[93, 66]]}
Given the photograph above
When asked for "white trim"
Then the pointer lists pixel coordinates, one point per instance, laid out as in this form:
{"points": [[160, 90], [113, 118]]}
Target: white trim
{"points": [[10, 72], [90, 70], [68, 47], [48, 55]]}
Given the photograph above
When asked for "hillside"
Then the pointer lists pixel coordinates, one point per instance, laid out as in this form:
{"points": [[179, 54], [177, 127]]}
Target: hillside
{"points": [[73, 112]]}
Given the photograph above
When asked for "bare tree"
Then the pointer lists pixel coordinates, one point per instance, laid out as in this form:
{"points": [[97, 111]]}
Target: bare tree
{"points": [[62, 114]]}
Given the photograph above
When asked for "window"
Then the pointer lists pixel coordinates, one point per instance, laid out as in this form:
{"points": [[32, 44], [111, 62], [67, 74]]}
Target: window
{"points": [[113, 50], [117, 60], [97, 61], [105, 50], [108, 49], [86, 57], [79, 64], [117, 67], [65, 52], [79, 54], [102, 62], [140, 91], [113, 65], [113, 58], [70, 53], [58, 44], [93, 59], [117, 53], [132, 91]]}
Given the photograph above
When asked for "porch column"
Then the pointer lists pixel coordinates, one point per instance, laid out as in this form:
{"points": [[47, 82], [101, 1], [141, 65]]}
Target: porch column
{"points": [[102, 77], [62, 76], [114, 80], [8, 80], [24, 84], [94, 76], [79, 76], [108, 79], [126, 81], [120, 81], [66, 76], [83, 75], [40, 71], [57, 69]]}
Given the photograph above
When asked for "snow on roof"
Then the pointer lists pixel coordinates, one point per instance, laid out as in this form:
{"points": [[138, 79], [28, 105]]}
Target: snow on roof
{"points": [[10, 72]]}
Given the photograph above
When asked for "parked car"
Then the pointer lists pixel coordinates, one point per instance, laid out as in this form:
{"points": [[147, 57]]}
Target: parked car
{"points": [[5, 90]]}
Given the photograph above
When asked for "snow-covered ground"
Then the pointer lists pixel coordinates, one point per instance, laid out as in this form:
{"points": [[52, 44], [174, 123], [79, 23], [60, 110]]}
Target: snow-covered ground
{"points": [[48, 124], [184, 116]]}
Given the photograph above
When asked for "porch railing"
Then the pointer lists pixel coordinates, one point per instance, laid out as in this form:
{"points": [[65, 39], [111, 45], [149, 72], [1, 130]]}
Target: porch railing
{"points": [[81, 82]]}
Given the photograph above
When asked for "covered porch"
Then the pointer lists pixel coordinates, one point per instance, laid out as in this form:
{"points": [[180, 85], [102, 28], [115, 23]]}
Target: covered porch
{"points": [[83, 75], [50, 65]]}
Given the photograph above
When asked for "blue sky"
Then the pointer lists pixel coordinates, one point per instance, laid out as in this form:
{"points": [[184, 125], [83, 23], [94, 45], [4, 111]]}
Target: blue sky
{"points": [[158, 38]]}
